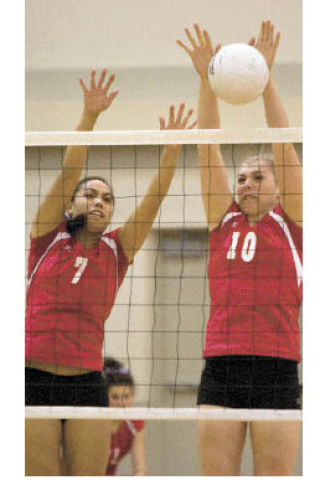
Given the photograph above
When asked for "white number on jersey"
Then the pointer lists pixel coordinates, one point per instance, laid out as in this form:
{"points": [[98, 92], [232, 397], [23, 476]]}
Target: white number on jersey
{"points": [[114, 458], [248, 248], [80, 263]]}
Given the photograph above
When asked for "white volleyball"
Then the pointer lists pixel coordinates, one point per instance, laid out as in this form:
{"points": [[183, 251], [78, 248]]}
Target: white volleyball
{"points": [[238, 73]]}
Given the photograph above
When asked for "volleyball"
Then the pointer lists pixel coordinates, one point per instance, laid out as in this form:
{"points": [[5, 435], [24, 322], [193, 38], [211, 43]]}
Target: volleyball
{"points": [[238, 73]]}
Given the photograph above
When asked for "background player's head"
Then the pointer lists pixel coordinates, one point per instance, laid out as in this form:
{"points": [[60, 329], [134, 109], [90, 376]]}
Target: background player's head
{"points": [[256, 186], [119, 383], [92, 205]]}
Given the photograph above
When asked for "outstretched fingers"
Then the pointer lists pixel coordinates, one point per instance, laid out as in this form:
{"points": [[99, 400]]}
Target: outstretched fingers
{"points": [[109, 82], [199, 34], [93, 79], [171, 114], [177, 120], [184, 46], [194, 124], [102, 77], [277, 41], [83, 85], [190, 37], [162, 122], [180, 113], [207, 40], [186, 119], [113, 95]]}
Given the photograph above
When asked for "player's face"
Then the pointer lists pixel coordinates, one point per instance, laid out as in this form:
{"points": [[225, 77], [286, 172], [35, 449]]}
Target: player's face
{"points": [[120, 396], [95, 201], [257, 190]]}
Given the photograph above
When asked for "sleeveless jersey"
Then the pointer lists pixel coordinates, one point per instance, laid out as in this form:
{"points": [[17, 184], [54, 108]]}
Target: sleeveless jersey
{"points": [[255, 276], [121, 443], [71, 291]]}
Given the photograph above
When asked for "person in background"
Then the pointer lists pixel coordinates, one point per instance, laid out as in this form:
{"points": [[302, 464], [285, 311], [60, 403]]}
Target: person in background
{"points": [[127, 435]]}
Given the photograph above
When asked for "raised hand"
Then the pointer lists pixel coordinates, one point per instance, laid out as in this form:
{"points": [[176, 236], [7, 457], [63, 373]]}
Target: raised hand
{"points": [[177, 121], [267, 42], [96, 97], [200, 49]]}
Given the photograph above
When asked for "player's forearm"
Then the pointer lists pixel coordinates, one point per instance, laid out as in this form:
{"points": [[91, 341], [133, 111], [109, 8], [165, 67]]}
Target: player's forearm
{"points": [[208, 111], [133, 234], [76, 155], [208, 117], [276, 115], [160, 182]]}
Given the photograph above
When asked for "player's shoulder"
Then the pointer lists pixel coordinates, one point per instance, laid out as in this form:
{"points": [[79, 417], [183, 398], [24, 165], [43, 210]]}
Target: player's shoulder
{"points": [[232, 217], [280, 216], [135, 426], [59, 233], [111, 239]]}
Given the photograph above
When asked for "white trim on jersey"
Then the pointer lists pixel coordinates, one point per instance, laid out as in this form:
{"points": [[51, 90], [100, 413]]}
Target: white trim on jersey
{"points": [[131, 427], [113, 245], [281, 222], [229, 216], [60, 236]]}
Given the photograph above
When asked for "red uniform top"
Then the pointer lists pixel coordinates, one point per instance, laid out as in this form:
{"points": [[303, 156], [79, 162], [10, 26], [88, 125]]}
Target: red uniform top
{"points": [[121, 443], [71, 292], [255, 276]]}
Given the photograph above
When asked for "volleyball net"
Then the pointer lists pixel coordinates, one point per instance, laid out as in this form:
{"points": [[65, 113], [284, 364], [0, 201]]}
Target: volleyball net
{"points": [[158, 323]]}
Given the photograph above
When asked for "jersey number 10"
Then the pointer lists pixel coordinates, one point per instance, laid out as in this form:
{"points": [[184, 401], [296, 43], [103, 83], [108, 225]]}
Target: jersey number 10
{"points": [[248, 247]]}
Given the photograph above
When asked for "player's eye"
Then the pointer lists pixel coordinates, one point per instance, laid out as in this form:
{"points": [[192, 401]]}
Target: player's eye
{"points": [[88, 195], [258, 177]]}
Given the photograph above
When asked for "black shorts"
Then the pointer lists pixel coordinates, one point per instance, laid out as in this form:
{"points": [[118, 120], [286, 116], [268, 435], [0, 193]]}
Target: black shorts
{"points": [[241, 381], [43, 388]]}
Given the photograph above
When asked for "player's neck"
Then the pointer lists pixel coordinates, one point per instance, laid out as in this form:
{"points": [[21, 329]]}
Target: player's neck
{"points": [[88, 239]]}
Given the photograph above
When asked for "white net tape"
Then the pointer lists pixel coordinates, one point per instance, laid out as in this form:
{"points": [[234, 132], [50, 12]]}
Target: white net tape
{"points": [[164, 413], [155, 137]]}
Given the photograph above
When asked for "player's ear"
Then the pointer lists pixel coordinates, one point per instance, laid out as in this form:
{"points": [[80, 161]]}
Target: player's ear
{"points": [[278, 194], [68, 212]]}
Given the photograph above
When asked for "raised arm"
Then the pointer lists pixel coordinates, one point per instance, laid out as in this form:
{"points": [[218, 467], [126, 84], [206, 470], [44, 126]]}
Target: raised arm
{"points": [[288, 167], [134, 232], [52, 209], [216, 192], [138, 455]]}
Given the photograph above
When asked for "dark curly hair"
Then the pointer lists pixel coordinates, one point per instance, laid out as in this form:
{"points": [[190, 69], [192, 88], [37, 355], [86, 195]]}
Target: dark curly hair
{"points": [[115, 373]]}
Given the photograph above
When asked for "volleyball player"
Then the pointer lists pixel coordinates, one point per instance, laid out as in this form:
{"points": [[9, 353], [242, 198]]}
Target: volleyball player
{"points": [[127, 435], [75, 271], [252, 346]]}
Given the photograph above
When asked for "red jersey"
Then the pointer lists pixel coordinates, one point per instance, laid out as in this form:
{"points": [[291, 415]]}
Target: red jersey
{"points": [[255, 275], [71, 292], [121, 443]]}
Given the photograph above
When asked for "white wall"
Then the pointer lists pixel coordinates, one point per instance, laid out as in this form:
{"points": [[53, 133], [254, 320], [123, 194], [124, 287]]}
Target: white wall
{"points": [[76, 34], [136, 40]]}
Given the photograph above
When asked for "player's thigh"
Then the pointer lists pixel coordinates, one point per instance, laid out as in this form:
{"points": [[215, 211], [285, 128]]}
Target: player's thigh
{"points": [[220, 445], [275, 446], [42, 446], [86, 446]]}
